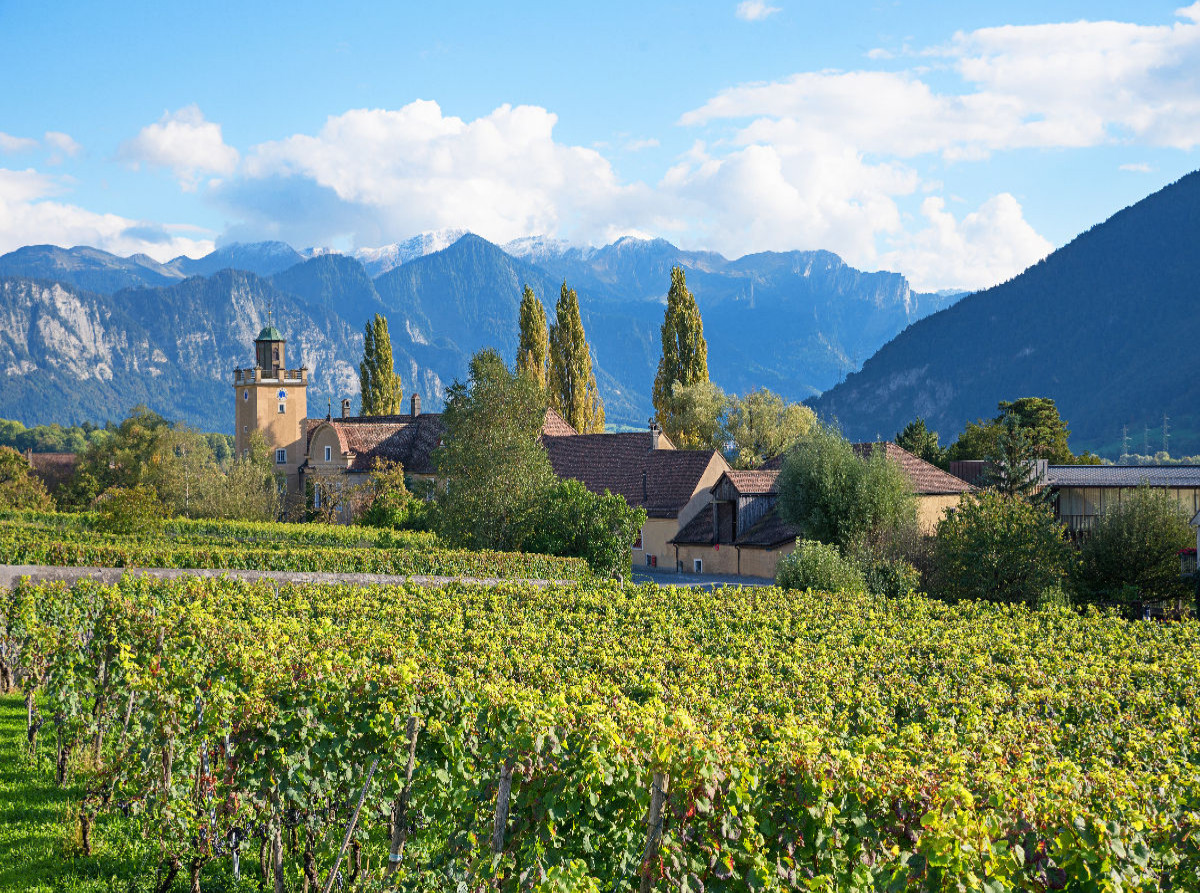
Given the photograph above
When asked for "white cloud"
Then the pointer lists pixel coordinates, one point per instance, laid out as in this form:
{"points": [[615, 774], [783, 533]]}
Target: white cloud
{"points": [[754, 10], [1060, 85], [28, 215], [639, 145], [377, 175], [62, 143], [16, 143], [771, 197], [1136, 168], [183, 141], [987, 246]]}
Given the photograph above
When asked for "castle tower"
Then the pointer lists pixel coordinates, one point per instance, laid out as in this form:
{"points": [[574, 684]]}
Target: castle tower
{"points": [[272, 399]]}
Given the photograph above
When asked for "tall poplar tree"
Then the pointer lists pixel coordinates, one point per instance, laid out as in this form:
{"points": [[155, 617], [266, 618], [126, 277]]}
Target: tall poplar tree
{"points": [[533, 346], [573, 390], [381, 390], [684, 359]]}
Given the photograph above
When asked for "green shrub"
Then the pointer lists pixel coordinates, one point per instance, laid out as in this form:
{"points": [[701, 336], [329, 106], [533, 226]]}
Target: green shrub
{"points": [[126, 510], [890, 577], [818, 566], [573, 521], [1132, 553], [1001, 549]]}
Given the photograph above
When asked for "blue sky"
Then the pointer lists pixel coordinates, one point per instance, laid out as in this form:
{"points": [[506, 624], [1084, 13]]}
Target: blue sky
{"points": [[955, 143]]}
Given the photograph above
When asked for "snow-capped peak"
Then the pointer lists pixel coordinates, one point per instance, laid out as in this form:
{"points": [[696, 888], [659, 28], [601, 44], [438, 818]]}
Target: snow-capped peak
{"points": [[534, 247], [387, 257]]}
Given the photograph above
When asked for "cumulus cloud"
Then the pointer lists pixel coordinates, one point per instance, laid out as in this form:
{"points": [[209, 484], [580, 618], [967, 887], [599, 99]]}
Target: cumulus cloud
{"points": [[382, 174], [1065, 85], [29, 214], [10, 143], [62, 144], [754, 10], [988, 245], [186, 144]]}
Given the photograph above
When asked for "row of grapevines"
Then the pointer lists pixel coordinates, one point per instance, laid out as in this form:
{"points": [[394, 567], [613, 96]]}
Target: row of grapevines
{"points": [[645, 737], [26, 545], [208, 530]]}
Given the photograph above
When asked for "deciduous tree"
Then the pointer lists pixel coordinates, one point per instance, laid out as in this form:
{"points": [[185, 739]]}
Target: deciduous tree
{"points": [[20, 488], [832, 495], [1134, 547], [1001, 549], [763, 426], [492, 464], [694, 416]]}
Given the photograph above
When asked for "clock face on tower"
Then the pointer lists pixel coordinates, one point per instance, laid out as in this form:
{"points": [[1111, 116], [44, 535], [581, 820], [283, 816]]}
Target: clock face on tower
{"points": [[282, 395]]}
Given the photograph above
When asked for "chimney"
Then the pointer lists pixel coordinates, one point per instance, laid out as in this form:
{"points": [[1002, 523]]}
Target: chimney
{"points": [[345, 407], [415, 404], [655, 431]]}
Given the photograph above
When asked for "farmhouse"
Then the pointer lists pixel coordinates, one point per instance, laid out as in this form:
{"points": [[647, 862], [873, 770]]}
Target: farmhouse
{"points": [[643, 466], [740, 531]]}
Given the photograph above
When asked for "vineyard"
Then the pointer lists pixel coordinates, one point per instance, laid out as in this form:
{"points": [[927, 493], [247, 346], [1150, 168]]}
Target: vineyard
{"points": [[605, 737], [76, 540]]}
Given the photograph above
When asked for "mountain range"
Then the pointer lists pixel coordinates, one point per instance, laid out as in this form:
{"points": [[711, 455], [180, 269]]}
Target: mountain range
{"points": [[85, 335], [1102, 325]]}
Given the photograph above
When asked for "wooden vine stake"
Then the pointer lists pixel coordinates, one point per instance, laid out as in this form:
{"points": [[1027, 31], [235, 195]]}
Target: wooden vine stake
{"points": [[400, 807], [654, 823], [350, 828], [502, 795]]}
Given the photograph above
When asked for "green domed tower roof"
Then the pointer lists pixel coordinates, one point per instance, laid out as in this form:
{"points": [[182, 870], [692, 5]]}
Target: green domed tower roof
{"points": [[270, 333]]}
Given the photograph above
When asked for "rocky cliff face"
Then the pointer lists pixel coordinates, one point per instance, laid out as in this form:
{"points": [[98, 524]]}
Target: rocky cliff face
{"points": [[70, 356]]}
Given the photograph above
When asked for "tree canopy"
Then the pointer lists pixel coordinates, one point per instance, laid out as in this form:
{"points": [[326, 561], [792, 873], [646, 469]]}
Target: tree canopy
{"points": [[573, 390], [830, 494], [1042, 427], [1134, 548], [762, 426], [1001, 549], [922, 443], [493, 467], [382, 393], [181, 466], [20, 488], [693, 416]]}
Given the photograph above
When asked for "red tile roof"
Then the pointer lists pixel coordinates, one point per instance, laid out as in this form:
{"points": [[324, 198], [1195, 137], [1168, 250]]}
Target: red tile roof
{"points": [[556, 426], [756, 480], [660, 481], [409, 440], [55, 469], [927, 479]]}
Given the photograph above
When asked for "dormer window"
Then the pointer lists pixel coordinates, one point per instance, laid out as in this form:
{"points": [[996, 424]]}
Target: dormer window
{"points": [[328, 454]]}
